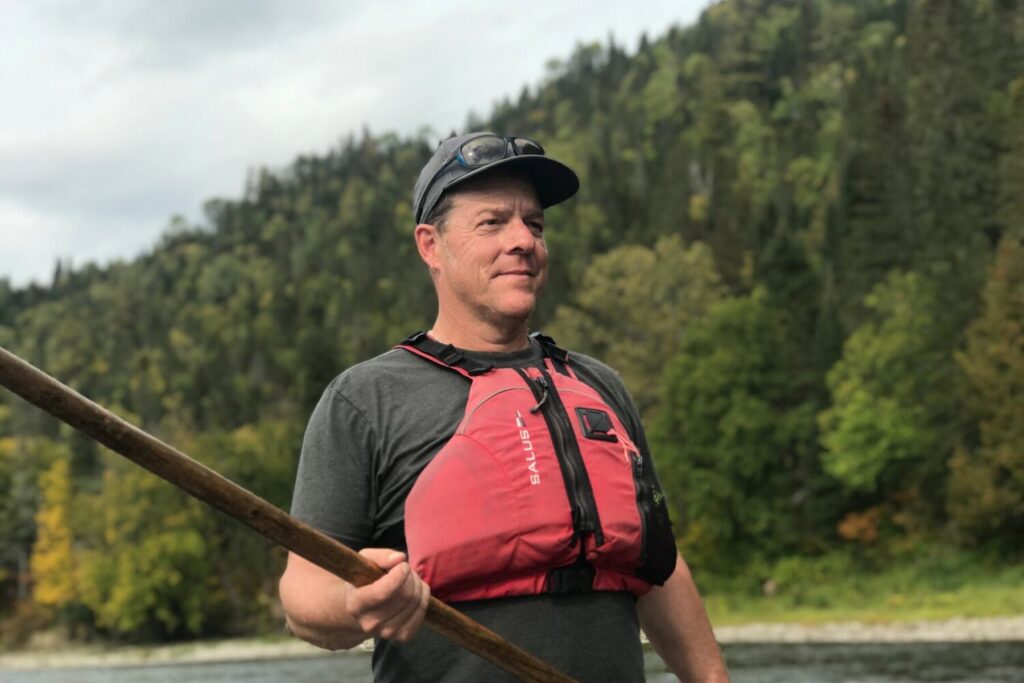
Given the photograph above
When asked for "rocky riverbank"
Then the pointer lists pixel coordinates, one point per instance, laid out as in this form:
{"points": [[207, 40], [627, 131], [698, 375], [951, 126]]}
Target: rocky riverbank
{"points": [[238, 649], [960, 629], [951, 630]]}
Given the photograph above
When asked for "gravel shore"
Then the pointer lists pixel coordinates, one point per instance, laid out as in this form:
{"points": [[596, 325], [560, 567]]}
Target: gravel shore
{"points": [[960, 629], [207, 651], [951, 630]]}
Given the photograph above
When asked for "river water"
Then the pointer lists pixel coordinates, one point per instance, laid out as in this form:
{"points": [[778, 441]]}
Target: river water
{"points": [[748, 663]]}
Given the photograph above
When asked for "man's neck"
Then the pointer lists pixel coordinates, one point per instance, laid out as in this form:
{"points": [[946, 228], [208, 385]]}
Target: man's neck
{"points": [[479, 335]]}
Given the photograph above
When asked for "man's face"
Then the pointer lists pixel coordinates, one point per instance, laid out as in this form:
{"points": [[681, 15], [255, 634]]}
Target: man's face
{"points": [[491, 260]]}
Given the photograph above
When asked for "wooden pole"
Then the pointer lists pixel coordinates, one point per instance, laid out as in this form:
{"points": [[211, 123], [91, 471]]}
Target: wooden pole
{"points": [[66, 404]]}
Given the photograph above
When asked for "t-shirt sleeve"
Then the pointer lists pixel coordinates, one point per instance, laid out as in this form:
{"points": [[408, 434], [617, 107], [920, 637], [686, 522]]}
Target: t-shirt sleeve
{"points": [[609, 383], [334, 484]]}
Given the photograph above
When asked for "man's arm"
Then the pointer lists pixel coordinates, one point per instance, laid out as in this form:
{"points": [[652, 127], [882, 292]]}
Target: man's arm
{"points": [[675, 622], [331, 613]]}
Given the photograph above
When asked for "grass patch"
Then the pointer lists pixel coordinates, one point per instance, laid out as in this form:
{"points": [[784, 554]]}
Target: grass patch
{"points": [[842, 587]]}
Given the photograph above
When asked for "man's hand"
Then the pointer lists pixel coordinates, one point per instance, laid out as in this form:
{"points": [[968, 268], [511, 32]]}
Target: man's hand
{"points": [[394, 605], [331, 613]]}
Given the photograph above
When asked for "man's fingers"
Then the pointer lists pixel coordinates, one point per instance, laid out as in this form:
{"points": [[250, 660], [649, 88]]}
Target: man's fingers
{"points": [[387, 610], [411, 602], [394, 605], [420, 613], [405, 623], [385, 558], [378, 593]]}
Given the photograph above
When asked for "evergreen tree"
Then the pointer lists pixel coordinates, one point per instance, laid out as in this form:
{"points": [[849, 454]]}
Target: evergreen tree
{"points": [[987, 483]]}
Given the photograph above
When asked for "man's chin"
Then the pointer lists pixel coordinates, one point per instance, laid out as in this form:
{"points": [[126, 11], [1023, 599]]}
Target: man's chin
{"points": [[518, 307]]}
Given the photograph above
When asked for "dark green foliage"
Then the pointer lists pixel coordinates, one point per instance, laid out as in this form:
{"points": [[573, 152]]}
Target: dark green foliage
{"points": [[735, 440], [848, 167], [897, 400]]}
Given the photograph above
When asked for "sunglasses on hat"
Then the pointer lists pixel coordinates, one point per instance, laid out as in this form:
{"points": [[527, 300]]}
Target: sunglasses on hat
{"points": [[483, 150]]}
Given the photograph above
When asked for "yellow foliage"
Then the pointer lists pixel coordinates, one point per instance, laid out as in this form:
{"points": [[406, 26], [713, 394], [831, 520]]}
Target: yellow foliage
{"points": [[52, 562]]}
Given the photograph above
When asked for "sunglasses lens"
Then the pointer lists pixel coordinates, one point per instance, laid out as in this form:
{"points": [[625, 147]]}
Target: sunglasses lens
{"points": [[485, 150], [527, 146]]}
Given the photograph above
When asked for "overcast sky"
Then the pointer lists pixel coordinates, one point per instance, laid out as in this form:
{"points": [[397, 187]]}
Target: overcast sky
{"points": [[118, 114]]}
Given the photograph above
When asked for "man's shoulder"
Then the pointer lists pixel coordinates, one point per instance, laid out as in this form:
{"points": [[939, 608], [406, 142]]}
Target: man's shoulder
{"points": [[391, 376], [590, 368], [392, 360], [608, 383], [393, 365], [594, 366], [602, 377]]}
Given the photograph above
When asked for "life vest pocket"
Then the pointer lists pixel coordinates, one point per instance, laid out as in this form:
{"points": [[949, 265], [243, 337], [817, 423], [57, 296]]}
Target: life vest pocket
{"points": [[596, 424], [491, 504], [659, 554]]}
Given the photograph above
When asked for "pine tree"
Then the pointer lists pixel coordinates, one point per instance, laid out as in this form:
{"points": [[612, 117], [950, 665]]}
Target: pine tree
{"points": [[987, 483]]}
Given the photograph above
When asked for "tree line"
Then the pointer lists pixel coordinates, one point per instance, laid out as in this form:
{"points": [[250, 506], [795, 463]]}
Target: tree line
{"points": [[798, 238]]}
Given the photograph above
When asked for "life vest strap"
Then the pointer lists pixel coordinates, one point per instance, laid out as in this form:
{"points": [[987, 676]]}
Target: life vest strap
{"points": [[447, 355], [558, 356], [577, 577], [444, 354]]}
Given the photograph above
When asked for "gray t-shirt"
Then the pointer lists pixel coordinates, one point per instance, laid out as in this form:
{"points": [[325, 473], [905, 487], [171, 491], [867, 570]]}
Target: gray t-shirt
{"points": [[376, 427]]}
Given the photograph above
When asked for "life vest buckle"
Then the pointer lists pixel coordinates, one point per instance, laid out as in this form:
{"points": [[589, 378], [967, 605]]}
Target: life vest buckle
{"points": [[577, 577]]}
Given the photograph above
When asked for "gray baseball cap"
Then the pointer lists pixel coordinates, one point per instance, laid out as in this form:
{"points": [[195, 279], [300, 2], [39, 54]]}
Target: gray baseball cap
{"points": [[448, 167]]}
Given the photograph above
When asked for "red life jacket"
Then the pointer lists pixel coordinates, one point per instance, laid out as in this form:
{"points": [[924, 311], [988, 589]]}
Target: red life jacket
{"points": [[540, 490]]}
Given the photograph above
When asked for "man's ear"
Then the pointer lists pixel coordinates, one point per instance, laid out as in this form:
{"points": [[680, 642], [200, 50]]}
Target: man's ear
{"points": [[427, 238]]}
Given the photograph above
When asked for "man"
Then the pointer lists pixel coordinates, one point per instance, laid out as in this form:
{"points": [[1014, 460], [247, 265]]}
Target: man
{"points": [[478, 205]]}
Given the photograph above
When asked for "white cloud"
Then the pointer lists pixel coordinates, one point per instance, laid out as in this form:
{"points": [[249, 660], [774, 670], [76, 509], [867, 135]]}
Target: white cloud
{"points": [[33, 241], [119, 114]]}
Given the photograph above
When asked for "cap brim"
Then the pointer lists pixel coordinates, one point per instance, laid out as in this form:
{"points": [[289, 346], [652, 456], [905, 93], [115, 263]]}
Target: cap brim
{"points": [[554, 181]]}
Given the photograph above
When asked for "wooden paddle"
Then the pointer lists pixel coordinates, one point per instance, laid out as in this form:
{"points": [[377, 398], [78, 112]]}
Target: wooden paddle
{"points": [[66, 404]]}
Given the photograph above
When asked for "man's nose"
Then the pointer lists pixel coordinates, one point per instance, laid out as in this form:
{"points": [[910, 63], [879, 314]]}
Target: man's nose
{"points": [[520, 236]]}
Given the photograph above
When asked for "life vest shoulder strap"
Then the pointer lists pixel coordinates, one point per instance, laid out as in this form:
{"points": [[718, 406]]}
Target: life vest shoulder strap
{"points": [[450, 357], [444, 355], [554, 354]]}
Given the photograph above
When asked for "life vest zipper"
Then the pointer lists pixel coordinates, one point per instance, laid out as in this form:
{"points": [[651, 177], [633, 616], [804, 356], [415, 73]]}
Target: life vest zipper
{"points": [[581, 480], [643, 503], [574, 473]]}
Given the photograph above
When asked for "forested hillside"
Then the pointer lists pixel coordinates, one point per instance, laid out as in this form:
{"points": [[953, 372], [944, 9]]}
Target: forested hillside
{"points": [[799, 238]]}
